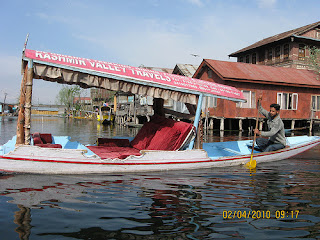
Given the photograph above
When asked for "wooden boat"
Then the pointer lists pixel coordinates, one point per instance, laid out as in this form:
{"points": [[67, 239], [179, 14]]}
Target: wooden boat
{"points": [[105, 115], [162, 144], [79, 159]]}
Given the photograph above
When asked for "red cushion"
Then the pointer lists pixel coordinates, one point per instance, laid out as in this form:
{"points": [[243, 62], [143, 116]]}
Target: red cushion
{"points": [[113, 142], [144, 136], [46, 137], [36, 134], [49, 145], [185, 129], [164, 139], [114, 152], [37, 140]]}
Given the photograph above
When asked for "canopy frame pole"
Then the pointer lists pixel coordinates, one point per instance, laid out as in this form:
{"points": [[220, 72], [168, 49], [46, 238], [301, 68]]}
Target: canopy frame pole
{"points": [[20, 123], [28, 103], [197, 119]]}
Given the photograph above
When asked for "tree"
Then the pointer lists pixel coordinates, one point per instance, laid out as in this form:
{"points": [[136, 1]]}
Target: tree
{"points": [[314, 59], [67, 94]]}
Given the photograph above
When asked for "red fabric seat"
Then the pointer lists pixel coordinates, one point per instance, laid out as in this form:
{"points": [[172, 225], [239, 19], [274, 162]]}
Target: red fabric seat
{"points": [[46, 137], [49, 145], [164, 139], [158, 134], [113, 142], [114, 152], [144, 136], [170, 134], [44, 140]]}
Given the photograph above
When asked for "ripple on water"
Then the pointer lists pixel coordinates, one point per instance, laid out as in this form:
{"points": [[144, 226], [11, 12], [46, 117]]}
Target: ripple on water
{"points": [[165, 205]]}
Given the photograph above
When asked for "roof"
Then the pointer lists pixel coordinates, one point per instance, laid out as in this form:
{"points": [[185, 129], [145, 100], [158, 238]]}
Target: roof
{"points": [[238, 71], [185, 69], [82, 98], [159, 69], [295, 32]]}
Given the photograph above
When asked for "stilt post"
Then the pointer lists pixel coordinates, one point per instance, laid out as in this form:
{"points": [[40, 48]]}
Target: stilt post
{"points": [[240, 125], [222, 124]]}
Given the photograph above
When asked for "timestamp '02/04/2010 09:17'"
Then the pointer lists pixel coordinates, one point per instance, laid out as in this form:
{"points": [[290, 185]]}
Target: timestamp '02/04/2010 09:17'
{"points": [[260, 214]]}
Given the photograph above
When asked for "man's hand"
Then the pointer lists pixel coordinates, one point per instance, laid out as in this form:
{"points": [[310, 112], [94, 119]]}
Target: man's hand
{"points": [[256, 131]]}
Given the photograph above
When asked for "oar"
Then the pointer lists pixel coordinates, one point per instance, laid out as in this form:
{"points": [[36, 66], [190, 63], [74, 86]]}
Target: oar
{"points": [[253, 163]]}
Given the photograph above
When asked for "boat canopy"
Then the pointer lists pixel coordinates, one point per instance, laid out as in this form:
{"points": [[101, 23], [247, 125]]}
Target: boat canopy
{"points": [[89, 73]]}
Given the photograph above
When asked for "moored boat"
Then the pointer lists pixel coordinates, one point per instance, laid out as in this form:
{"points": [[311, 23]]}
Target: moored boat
{"points": [[75, 158], [105, 115]]}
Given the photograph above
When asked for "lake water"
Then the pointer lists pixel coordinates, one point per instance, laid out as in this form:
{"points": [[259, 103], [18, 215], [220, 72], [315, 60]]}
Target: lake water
{"points": [[280, 200]]}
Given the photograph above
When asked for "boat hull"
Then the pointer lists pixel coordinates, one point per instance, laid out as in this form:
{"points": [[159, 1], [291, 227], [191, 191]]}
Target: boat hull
{"points": [[32, 159]]}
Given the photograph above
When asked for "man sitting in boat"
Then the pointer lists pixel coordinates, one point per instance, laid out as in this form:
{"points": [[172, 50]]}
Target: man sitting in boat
{"points": [[276, 132]]}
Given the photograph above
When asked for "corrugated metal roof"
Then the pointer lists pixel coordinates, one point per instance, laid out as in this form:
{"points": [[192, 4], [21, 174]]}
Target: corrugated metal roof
{"points": [[186, 69], [266, 74], [159, 69], [294, 32]]}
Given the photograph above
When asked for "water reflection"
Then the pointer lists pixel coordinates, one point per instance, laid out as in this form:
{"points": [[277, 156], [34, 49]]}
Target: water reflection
{"points": [[165, 205], [179, 205], [23, 219]]}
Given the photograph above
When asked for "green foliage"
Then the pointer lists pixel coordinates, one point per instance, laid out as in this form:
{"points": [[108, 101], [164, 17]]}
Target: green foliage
{"points": [[67, 94], [314, 58]]}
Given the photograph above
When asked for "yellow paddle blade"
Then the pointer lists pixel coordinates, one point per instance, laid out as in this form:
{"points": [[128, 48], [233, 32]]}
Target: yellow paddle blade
{"points": [[251, 164]]}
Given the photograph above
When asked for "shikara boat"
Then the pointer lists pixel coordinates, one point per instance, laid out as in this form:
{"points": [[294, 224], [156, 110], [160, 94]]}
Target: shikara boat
{"points": [[161, 144], [105, 115]]}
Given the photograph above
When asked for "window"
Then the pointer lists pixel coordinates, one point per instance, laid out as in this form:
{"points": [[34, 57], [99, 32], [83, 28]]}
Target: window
{"points": [[269, 54], [288, 101], [261, 57], [318, 33], [277, 53], [302, 52], [247, 59], [315, 102], [286, 52], [210, 102], [251, 99], [254, 58], [240, 59]]}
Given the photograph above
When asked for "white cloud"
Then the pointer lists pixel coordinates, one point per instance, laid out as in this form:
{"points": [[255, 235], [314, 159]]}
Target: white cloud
{"points": [[51, 19], [267, 3], [155, 43]]}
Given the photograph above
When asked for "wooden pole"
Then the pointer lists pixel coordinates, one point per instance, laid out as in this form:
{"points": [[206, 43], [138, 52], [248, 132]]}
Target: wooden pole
{"points": [[311, 123], [240, 125], [222, 124], [20, 123], [292, 124], [115, 104], [27, 112]]}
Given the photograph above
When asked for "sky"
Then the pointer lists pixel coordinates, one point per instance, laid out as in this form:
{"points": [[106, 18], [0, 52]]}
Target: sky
{"points": [[156, 33]]}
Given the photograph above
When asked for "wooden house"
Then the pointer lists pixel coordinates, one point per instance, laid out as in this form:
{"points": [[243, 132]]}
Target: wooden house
{"points": [[296, 90], [288, 49], [185, 69]]}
